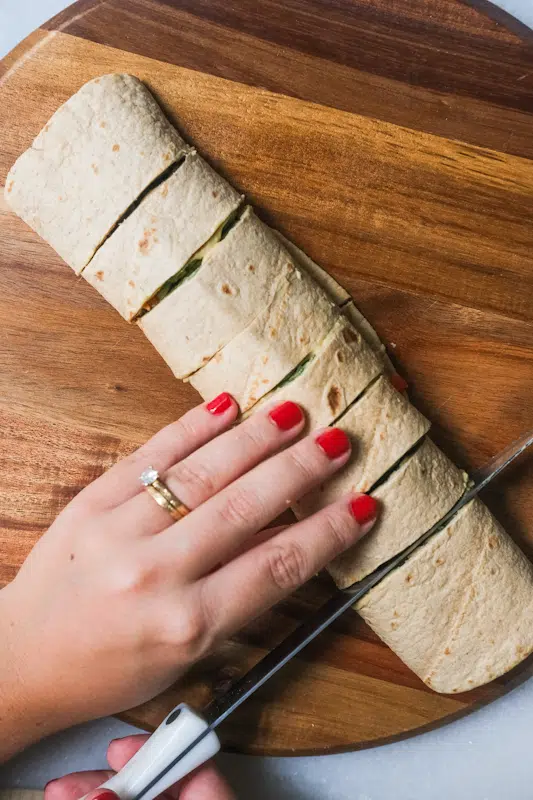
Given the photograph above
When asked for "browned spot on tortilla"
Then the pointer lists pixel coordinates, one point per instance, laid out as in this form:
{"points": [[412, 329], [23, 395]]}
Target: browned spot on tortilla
{"points": [[214, 193], [349, 335], [439, 561], [166, 157], [394, 626], [382, 435], [428, 682], [164, 190], [103, 124], [218, 357], [94, 169], [447, 651], [409, 578], [226, 289], [304, 339], [339, 355], [470, 680], [144, 244], [265, 359], [252, 400], [205, 359], [10, 186], [251, 268], [519, 650], [265, 380], [116, 148], [141, 153], [132, 284], [290, 266], [395, 614], [97, 80], [493, 542], [99, 275], [450, 534], [334, 399], [273, 333]]}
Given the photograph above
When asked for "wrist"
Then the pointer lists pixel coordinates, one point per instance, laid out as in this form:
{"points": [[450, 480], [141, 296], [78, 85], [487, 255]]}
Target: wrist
{"points": [[23, 716]]}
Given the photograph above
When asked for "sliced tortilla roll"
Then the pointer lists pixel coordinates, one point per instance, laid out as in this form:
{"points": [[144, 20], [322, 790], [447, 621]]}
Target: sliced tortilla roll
{"points": [[92, 160], [383, 426], [161, 235], [336, 373], [418, 494], [459, 612], [235, 282], [297, 320], [342, 298]]}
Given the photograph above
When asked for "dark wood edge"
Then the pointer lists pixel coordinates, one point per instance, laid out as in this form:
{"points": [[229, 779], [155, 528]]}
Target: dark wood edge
{"points": [[502, 17]]}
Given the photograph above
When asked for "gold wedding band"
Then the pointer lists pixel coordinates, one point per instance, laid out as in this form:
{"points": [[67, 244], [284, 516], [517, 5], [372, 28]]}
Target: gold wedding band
{"points": [[162, 495]]}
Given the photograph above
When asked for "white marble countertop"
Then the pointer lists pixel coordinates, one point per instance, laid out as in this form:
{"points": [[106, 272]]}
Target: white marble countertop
{"points": [[485, 756]]}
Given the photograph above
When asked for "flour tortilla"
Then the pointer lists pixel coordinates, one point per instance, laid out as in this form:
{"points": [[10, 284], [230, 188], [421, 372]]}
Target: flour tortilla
{"points": [[298, 319], [92, 160], [383, 426], [340, 297], [459, 612], [340, 369], [157, 240], [418, 494], [236, 281]]}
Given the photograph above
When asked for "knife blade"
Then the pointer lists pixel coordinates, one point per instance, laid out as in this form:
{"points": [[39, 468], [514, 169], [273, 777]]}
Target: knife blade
{"points": [[186, 739]]}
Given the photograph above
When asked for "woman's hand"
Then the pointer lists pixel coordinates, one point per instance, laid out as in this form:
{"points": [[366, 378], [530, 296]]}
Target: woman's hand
{"points": [[117, 599], [204, 784]]}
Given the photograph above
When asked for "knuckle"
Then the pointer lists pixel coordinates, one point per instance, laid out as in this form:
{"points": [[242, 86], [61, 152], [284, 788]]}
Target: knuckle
{"points": [[241, 507], [194, 630], [299, 465], [338, 530], [195, 478], [287, 566], [136, 578]]}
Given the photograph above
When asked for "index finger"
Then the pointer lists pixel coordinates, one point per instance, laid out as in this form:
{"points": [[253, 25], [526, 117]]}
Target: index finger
{"points": [[264, 575]]}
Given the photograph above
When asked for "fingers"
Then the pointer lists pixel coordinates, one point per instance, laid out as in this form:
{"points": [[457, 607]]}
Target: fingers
{"points": [[75, 785], [168, 446], [215, 530], [204, 784], [261, 577], [215, 465]]}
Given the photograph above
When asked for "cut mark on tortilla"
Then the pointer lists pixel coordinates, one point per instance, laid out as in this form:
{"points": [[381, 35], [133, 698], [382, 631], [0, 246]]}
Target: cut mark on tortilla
{"points": [[170, 170], [193, 265]]}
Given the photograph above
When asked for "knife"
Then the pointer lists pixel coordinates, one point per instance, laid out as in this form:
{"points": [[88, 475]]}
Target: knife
{"points": [[186, 739]]}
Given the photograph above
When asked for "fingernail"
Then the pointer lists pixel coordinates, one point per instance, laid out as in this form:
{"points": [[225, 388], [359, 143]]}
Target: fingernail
{"points": [[333, 442], [287, 415], [364, 508], [105, 794], [220, 404], [398, 382]]}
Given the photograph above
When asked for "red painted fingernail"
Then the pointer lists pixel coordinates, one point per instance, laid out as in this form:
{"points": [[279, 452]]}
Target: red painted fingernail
{"points": [[287, 415], [105, 794], [220, 404], [398, 382], [333, 442], [364, 508]]}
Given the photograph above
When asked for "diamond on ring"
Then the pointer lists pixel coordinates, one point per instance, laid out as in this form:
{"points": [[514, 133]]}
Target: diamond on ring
{"points": [[149, 476]]}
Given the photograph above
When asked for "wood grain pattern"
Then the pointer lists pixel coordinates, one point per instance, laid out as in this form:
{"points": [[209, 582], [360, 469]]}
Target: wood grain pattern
{"points": [[394, 144]]}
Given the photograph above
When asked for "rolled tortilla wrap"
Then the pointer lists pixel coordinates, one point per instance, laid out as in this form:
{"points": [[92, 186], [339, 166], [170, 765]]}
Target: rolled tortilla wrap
{"points": [[337, 372], [297, 320], [424, 487], [235, 282], [383, 426], [91, 161], [161, 235], [459, 612]]}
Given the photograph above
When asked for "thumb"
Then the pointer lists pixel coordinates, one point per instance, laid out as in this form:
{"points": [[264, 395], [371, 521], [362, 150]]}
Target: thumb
{"points": [[78, 784]]}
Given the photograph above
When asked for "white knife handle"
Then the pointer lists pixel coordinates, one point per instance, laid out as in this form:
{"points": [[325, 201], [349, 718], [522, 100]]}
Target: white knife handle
{"points": [[174, 735]]}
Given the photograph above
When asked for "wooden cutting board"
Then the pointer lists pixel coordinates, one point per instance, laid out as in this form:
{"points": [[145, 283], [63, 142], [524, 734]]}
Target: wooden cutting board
{"points": [[393, 141]]}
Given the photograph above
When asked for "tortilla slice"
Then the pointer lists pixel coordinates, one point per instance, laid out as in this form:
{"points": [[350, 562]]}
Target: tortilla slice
{"points": [[297, 320], [336, 373], [383, 426], [92, 160], [236, 280], [417, 494], [161, 235], [459, 612], [342, 298]]}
